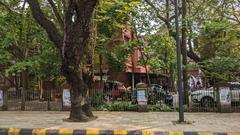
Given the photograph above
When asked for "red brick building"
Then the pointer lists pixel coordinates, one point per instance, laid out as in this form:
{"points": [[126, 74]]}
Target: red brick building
{"points": [[131, 64]]}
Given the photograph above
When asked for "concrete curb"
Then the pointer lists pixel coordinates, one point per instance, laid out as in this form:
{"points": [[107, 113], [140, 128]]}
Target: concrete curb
{"points": [[62, 131]]}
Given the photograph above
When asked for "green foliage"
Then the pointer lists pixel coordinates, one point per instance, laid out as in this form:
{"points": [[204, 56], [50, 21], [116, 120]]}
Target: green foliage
{"points": [[165, 108], [119, 54], [220, 38], [153, 108], [117, 107], [24, 45], [124, 106], [112, 16], [160, 52], [97, 100], [219, 47], [221, 68]]}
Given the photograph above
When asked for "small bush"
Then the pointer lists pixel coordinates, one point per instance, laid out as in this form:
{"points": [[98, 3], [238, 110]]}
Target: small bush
{"points": [[131, 107], [98, 100], [117, 107], [154, 108], [165, 108]]}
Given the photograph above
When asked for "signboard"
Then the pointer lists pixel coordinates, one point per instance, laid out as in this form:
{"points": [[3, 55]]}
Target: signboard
{"points": [[66, 97], [141, 97], [225, 96], [1, 98]]}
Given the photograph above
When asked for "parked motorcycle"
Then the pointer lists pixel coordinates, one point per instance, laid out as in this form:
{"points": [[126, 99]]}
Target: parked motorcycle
{"points": [[155, 95]]}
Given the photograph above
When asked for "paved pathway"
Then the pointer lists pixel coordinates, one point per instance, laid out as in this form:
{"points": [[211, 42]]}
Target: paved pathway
{"points": [[214, 122]]}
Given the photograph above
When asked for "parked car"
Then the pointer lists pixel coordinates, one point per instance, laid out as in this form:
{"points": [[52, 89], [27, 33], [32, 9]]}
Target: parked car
{"points": [[207, 97], [114, 90]]}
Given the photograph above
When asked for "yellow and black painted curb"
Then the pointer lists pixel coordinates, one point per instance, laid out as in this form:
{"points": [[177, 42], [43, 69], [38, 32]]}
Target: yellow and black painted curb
{"points": [[63, 131]]}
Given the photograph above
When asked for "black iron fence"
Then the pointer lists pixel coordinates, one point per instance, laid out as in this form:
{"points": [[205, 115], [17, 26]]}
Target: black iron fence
{"points": [[212, 101], [118, 99], [32, 100], [163, 100]]}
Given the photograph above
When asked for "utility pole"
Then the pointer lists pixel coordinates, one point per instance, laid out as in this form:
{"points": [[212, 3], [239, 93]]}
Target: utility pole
{"points": [[179, 65]]}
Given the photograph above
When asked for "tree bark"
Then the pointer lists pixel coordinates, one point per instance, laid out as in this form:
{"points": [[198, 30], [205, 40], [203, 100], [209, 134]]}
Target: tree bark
{"points": [[171, 79], [101, 71], [133, 72], [145, 66], [147, 73], [40, 84], [77, 47], [77, 59], [24, 76]]}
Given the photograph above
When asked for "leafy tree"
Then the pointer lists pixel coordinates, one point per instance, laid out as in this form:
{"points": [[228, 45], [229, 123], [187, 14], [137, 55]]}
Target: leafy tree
{"points": [[160, 51], [219, 46], [25, 48], [221, 68], [220, 38], [113, 16], [74, 36]]}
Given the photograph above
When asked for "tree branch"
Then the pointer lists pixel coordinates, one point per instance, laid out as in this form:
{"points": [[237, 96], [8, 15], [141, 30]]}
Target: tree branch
{"points": [[193, 56], [234, 13], [53, 33], [173, 17], [156, 11], [56, 13], [16, 51], [7, 7], [8, 79]]}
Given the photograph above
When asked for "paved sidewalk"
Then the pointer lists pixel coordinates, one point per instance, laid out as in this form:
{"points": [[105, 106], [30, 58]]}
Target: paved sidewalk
{"points": [[160, 121]]}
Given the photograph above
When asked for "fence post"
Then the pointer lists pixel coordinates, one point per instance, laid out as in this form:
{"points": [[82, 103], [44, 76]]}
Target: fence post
{"points": [[48, 104], [223, 97], [5, 100], [23, 93], [62, 98], [48, 100]]}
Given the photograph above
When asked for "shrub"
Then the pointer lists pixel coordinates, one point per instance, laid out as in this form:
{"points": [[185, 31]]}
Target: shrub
{"points": [[98, 100], [117, 107], [123, 106], [154, 108], [165, 108]]}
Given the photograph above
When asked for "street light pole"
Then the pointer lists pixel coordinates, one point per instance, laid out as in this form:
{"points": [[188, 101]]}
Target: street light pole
{"points": [[179, 65]]}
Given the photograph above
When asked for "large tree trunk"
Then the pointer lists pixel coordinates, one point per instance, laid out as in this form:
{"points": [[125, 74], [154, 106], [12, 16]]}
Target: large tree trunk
{"points": [[77, 59], [76, 45], [79, 92], [80, 77]]}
